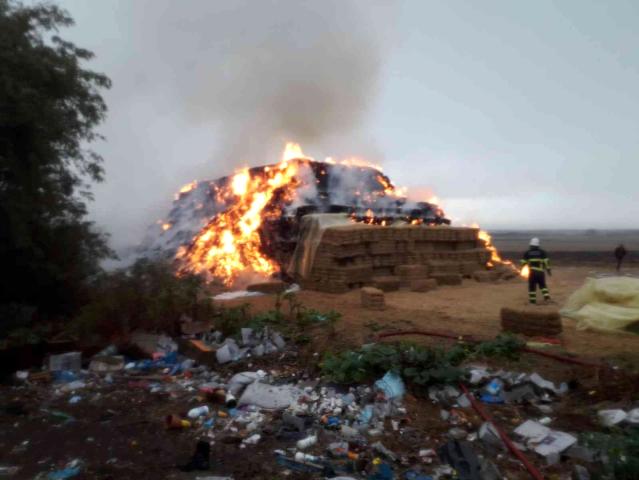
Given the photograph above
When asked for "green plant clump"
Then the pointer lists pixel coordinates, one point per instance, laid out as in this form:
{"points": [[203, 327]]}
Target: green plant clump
{"points": [[419, 365]]}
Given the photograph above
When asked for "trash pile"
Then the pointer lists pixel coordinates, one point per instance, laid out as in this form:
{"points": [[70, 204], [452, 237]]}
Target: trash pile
{"points": [[253, 342], [313, 427]]}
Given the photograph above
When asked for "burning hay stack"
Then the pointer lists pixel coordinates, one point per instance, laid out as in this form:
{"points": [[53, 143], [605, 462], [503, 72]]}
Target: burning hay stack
{"points": [[330, 226]]}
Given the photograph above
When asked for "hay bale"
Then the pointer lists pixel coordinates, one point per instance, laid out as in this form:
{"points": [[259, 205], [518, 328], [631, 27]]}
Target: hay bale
{"points": [[444, 266], [372, 298], [267, 287], [425, 285], [447, 278], [415, 270], [485, 276], [410, 273], [531, 321], [386, 283]]}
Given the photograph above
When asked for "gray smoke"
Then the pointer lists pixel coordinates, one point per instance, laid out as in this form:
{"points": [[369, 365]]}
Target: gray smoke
{"points": [[204, 87], [260, 73]]}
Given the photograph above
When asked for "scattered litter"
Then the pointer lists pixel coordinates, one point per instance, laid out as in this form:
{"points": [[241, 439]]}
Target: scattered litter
{"points": [[489, 436], [73, 386], [309, 441], [65, 361], [269, 397], [391, 385], [6, 471], [532, 431], [608, 418], [546, 442], [236, 294], [106, 364], [198, 412], [72, 469], [461, 457]]}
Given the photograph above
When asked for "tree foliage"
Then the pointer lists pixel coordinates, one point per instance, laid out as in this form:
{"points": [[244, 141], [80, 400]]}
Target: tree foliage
{"points": [[50, 106]]}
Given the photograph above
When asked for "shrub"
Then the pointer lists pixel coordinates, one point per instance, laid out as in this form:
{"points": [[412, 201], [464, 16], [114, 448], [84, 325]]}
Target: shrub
{"points": [[148, 295]]}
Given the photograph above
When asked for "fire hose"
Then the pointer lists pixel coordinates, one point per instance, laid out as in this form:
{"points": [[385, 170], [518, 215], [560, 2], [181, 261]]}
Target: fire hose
{"points": [[532, 470], [534, 473]]}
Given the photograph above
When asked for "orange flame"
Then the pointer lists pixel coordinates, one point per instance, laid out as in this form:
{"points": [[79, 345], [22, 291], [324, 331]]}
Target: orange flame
{"points": [[292, 151], [495, 258], [186, 188], [230, 244]]}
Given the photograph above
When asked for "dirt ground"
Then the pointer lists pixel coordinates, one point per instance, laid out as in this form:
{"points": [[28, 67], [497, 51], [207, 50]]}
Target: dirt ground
{"points": [[470, 309]]}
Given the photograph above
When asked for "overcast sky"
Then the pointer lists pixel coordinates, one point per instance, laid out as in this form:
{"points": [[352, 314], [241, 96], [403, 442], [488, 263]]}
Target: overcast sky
{"points": [[515, 114]]}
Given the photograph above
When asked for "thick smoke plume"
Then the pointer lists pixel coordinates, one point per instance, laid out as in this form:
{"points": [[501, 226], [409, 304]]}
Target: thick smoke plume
{"points": [[262, 72], [204, 87]]}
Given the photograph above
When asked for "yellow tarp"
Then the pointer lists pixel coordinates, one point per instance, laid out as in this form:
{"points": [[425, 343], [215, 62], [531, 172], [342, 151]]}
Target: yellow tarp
{"points": [[607, 304]]}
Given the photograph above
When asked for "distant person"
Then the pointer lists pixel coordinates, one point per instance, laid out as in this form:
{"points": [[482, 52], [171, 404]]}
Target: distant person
{"points": [[620, 252], [538, 265]]}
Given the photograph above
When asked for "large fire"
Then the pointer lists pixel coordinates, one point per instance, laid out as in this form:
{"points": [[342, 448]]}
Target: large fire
{"points": [[231, 243]]}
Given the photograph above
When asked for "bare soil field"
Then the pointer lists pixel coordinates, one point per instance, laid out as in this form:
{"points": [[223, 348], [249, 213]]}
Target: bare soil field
{"points": [[572, 247], [470, 309]]}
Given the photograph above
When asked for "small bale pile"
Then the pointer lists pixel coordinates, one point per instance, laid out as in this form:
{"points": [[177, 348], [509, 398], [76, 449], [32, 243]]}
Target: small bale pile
{"points": [[387, 283], [425, 285], [447, 278], [532, 321], [373, 298]]}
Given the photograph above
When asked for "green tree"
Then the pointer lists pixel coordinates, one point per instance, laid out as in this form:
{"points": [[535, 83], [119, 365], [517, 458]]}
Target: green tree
{"points": [[49, 108]]}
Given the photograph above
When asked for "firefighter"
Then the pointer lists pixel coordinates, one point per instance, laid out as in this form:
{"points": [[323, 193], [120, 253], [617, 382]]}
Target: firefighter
{"points": [[538, 265]]}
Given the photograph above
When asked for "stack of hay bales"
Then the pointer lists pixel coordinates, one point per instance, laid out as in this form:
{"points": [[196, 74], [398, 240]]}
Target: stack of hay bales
{"points": [[410, 274], [352, 256]]}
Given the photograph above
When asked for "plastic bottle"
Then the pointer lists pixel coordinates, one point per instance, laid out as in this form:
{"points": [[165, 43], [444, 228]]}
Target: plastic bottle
{"points": [[198, 411], [309, 441], [366, 415], [305, 457]]}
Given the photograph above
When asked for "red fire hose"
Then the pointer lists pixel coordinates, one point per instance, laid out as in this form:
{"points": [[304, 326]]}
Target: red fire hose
{"points": [[534, 473]]}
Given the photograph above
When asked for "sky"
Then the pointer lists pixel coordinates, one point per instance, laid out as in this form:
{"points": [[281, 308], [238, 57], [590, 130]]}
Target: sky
{"points": [[515, 114]]}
